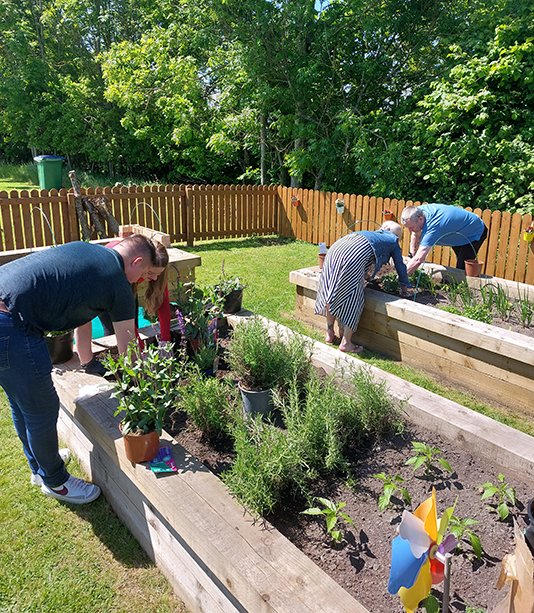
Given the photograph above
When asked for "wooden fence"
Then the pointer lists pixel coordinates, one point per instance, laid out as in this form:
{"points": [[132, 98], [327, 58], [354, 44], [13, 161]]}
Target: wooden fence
{"points": [[191, 213]]}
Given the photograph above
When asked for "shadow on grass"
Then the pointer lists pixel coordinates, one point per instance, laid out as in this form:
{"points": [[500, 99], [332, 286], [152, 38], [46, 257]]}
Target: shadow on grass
{"points": [[241, 243]]}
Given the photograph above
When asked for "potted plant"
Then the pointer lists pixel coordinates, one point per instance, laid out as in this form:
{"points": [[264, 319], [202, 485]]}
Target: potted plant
{"points": [[60, 345], [261, 363], [146, 387], [528, 234], [197, 312], [230, 290]]}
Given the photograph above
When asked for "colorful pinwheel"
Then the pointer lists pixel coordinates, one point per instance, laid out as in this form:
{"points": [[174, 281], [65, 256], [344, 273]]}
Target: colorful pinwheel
{"points": [[419, 553]]}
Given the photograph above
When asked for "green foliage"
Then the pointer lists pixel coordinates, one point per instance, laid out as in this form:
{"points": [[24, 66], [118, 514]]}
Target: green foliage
{"points": [[431, 604], [502, 493], [210, 403], [264, 467], [427, 456], [391, 484], [463, 530], [332, 514], [146, 386], [261, 362], [379, 412], [478, 312], [390, 283], [525, 310], [199, 308]]}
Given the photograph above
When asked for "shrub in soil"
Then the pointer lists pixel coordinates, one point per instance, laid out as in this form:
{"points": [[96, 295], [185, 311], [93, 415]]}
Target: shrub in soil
{"points": [[260, 362], [211, 404]]}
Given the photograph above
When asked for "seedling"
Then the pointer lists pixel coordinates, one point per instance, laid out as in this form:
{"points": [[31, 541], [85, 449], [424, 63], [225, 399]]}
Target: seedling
{"points": [[462, 530], [503, 493], [391, 485], [502, 304], [426, 456], [332, 514], [525, 310]]}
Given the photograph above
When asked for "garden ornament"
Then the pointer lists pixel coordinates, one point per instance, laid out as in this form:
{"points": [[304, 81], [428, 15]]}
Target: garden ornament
{"points": [[340, 205], [420, 555]]}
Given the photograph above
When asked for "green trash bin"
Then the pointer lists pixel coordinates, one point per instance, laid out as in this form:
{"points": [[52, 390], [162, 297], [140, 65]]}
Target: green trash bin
{"points": [[50, 171]]}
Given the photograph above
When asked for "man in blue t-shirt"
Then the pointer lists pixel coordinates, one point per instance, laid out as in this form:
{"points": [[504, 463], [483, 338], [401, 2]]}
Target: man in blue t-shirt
{"points": [[444, 225], [56, 289]]}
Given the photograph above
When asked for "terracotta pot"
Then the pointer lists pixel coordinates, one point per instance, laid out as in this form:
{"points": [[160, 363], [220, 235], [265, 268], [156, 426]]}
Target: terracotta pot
{"points": [[141, 447], [321, 258], [388, 216], [60, 347], [472, 268]]}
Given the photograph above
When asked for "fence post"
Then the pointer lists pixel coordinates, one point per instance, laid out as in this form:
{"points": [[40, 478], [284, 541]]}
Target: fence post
{"points": [[188, 226]]}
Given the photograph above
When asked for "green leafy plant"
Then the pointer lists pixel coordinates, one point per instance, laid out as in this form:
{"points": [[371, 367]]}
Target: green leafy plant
{"points": [[392, 484], [478, 312], [265, 465], [227, 284], [463, 530], [427, 456], [390, 283], [197, 310], [423, 281], [525, 310], [502, 303], [210, 404], [260, 361], [488, 294], [503, 494], [333, 514], [146, 387]]}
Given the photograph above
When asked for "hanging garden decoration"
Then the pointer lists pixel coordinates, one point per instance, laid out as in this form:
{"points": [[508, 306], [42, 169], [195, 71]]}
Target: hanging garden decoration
{"points": [[420, 554]]}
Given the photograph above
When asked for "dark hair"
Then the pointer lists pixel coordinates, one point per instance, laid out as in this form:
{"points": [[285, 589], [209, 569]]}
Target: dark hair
{"points": [[148, 247]]}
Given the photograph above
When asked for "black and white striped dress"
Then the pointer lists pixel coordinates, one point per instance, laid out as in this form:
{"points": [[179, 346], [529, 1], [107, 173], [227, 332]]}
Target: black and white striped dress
{"points": [[342, 283]]}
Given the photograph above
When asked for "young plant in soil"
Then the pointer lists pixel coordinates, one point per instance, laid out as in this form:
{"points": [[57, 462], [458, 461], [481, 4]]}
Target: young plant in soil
{"points": [[463, 531], [502, 494], [427, 456], [392, 485], [333, 515]]}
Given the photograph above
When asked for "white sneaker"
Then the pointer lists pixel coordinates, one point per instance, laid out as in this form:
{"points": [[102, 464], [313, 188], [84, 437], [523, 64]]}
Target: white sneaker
{"points": [[65, 456], [74, 490]]}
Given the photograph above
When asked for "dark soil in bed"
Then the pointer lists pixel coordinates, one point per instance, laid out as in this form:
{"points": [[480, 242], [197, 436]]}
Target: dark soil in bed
{"points": [[361, 563]]}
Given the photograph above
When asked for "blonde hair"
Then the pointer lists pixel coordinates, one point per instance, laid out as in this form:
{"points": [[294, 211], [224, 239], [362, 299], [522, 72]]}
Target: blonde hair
{"points": [[155, 292]]}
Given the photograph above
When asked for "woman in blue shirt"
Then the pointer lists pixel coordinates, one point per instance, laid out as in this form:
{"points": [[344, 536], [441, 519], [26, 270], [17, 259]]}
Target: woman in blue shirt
{"points": [[351, 262]]}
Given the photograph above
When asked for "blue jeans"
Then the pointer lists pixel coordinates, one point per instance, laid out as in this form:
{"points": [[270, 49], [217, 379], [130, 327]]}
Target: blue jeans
{"points": [[25, 375]]}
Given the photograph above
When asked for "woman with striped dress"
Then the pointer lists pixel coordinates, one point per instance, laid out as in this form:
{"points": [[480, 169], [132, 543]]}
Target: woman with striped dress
{"points": [[351, 262]]}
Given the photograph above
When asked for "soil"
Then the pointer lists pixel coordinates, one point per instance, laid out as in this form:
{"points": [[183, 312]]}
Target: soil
{"points": [[361, 563]]}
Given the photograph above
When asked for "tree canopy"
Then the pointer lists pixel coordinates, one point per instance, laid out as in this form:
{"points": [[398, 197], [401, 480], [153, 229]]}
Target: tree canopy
{"points": [[425, 100]]}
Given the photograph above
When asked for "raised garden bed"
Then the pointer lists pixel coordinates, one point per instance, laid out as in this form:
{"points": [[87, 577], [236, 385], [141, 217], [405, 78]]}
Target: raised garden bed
{"points": [[493, 363], [217, 558]]}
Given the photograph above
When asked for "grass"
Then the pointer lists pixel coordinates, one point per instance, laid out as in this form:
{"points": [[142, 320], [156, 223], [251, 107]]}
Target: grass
{"points": [[264, 263], [24, 176], [59, 558]]}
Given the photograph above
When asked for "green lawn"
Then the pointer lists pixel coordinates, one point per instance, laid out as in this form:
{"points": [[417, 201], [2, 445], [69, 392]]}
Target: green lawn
{"points": [[59, 558]]}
